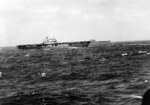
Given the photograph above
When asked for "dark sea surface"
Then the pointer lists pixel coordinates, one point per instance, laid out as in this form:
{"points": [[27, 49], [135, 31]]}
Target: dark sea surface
{"points": [[102, 75]]}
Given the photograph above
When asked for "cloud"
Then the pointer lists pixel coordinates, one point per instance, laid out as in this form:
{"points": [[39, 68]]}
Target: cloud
{"points": [[25, 20], [3, 38]]}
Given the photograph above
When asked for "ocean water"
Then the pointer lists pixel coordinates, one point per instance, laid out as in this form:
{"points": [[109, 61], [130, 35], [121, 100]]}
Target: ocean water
{"points": [[102, 75]]}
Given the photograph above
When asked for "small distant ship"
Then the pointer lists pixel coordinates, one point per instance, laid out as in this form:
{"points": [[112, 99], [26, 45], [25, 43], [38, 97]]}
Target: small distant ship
{"points": [[52, 43]]}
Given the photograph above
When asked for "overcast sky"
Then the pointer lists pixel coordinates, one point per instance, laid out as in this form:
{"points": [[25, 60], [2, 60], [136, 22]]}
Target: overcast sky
{"points": [[30, 21]]}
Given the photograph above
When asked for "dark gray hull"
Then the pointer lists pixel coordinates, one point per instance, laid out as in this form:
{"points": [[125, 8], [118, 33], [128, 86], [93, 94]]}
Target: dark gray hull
{"points": [[63, 44]]}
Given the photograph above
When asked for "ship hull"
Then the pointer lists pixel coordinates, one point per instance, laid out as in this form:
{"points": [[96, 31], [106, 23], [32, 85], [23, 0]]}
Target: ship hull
{"points": [[63, 44]]}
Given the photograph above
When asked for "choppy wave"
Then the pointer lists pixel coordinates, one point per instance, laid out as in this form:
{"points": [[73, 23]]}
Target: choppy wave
{"points": [[112, 75]]}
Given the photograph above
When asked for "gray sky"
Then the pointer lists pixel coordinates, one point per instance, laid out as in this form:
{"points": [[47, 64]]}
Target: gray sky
{"points": [[30, 21]]}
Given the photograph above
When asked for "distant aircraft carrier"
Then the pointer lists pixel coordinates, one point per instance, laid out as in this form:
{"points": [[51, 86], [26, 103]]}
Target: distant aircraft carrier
{"points": [[52, 42]]}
